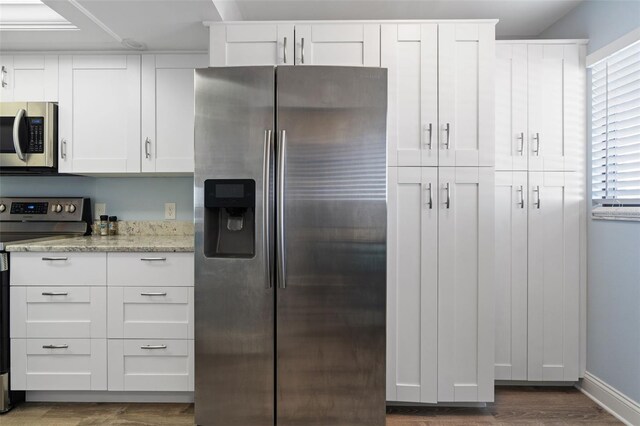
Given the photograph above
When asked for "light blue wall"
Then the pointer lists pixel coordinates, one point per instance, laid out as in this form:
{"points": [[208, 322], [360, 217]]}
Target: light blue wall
{"points": [[613, 296], [140, 198]]}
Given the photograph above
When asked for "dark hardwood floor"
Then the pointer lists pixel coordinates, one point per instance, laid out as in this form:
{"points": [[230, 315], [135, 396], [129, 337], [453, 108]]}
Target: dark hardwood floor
{"points": [[513, 406]]}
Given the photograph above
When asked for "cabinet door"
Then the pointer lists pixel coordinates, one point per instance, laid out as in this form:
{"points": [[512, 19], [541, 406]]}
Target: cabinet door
{"points": [[554, 279], [512, 136], [465, 284], [251, 44], [167, 112], [410, 53], [556, 107], [338, 44], [466, 74], [29, 78], [99, 114], [412, 294], [511, 276]]}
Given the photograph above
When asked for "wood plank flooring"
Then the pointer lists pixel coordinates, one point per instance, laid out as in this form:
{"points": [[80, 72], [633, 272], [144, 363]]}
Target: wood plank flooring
{"points": [[513, 406]]}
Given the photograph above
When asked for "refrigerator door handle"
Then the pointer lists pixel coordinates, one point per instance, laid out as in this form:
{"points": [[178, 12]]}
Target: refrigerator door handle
{"points": [[282, 264], [266, 234]]}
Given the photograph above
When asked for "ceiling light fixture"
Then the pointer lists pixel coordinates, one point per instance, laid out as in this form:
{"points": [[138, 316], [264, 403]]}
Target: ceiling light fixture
{"points": [[130, 43]]}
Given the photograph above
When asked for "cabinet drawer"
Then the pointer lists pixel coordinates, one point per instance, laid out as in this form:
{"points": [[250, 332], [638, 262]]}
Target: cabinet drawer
{"points": [[51, 312], [150, 269], [58, 268], [151, 365], [58, 364], [150, 312]]}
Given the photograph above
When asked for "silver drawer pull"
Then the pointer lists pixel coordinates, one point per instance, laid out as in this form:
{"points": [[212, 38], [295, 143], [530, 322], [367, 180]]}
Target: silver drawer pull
{"points": [[153, 259], [55, 293], [55, 258], [55, 346], [153, 347], [153, 294]]}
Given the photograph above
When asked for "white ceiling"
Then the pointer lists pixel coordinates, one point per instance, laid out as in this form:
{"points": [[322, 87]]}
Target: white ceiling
{"points": [[177, 24]]}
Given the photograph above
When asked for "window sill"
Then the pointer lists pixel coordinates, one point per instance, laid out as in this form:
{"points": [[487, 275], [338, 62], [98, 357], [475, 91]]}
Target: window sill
{"points": [[627, 214]]}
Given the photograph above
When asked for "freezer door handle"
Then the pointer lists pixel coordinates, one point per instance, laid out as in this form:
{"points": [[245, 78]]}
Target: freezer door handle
{"points": [[282, 264], [266, 234]]}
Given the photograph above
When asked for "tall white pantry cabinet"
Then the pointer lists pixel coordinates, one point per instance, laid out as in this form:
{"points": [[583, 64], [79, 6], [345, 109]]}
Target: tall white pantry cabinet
{"points": [[440, 184], [540, 211]]}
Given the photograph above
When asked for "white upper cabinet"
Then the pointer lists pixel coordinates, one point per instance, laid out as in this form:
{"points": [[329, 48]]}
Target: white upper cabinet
{"points": [[556, 90], [465, 284], [410, 53], [167, 112], [466, 82], [554, 276], [412, 285], [344, 44], [511, 275], [251, 44], [99, 114], [512, 134], [29, 78]]}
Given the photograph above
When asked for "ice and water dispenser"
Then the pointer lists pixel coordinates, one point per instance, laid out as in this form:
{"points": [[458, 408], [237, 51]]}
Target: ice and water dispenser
{"points": [[229, 218]]}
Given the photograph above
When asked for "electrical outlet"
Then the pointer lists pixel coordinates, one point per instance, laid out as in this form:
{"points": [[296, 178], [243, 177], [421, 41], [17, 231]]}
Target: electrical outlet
{"points": [[170, 211], [100, 209]]}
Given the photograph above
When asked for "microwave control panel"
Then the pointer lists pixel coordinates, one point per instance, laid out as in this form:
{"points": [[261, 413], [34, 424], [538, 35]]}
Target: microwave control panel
{"points": [[36, 135]]}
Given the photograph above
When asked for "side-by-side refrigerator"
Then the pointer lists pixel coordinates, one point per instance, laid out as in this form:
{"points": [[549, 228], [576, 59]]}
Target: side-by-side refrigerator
{"points": [[290, 248]]}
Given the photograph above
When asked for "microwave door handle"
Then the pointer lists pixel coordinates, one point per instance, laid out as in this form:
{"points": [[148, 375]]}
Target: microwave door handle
{"points": [[16, 133]]}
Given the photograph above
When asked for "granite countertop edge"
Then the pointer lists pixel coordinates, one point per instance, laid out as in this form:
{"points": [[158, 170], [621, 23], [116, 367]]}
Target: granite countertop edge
{"points": [[120, 243]]}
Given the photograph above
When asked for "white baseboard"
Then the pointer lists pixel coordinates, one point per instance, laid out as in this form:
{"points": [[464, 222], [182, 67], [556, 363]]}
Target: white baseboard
{"points": [[617, 404], [108, 396]]}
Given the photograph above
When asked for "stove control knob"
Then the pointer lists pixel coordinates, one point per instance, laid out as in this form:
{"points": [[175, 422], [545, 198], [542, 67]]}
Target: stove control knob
{"points": [[57, 208], [71, 208], [2, 208]]}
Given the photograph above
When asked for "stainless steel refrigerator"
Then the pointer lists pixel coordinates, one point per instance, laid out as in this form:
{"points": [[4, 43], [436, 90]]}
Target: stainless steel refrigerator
{"points": [[290, 248]]}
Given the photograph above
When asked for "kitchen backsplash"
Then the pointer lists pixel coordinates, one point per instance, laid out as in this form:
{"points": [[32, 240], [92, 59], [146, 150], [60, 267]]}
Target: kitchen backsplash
{"points": [[131, 199]]}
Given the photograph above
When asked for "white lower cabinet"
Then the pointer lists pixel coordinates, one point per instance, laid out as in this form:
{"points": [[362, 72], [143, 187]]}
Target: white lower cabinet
{"points": [[440, 284], [66, 305], [59, 364], [537, 276], [151, 365]]}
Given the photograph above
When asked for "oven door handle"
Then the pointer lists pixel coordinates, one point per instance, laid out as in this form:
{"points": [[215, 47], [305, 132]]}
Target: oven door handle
{"points": [[17, 122]]}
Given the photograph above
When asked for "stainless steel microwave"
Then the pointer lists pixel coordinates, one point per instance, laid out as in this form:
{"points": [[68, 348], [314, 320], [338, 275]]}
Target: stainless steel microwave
{"points": [[28, 137]]}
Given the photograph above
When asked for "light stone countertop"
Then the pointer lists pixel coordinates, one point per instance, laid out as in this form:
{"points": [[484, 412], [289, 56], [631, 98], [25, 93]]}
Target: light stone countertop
{"points": [[117, 243]]}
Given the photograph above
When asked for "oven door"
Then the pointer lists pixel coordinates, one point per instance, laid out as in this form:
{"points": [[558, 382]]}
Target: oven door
{"points": [[28, 136]]}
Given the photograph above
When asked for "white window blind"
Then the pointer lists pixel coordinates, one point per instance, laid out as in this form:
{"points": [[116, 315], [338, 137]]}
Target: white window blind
{"points": [[615, 127]]}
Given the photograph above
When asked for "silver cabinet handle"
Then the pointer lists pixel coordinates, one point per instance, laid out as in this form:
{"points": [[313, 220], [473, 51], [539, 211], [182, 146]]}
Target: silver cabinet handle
{"points": [[448, 189], [4, 76], [285, 50], [266, 205], [427, 188], [302, 50], [537, 191], [153, 347], [63, 150], [447, 128], [282, 263], [153, 294], [521, 139], [16, 133], [147, 148], [537, 139], [521, 202], [55, 346], [429, 129], [55, 258], [153, 259], [55, 293]]}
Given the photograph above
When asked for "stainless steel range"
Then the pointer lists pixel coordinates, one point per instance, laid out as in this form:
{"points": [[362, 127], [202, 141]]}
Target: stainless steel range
{"points": [[25, 219]]}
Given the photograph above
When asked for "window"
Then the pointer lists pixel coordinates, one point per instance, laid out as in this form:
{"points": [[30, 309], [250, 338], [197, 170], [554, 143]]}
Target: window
{"points": [[615, 127]]}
